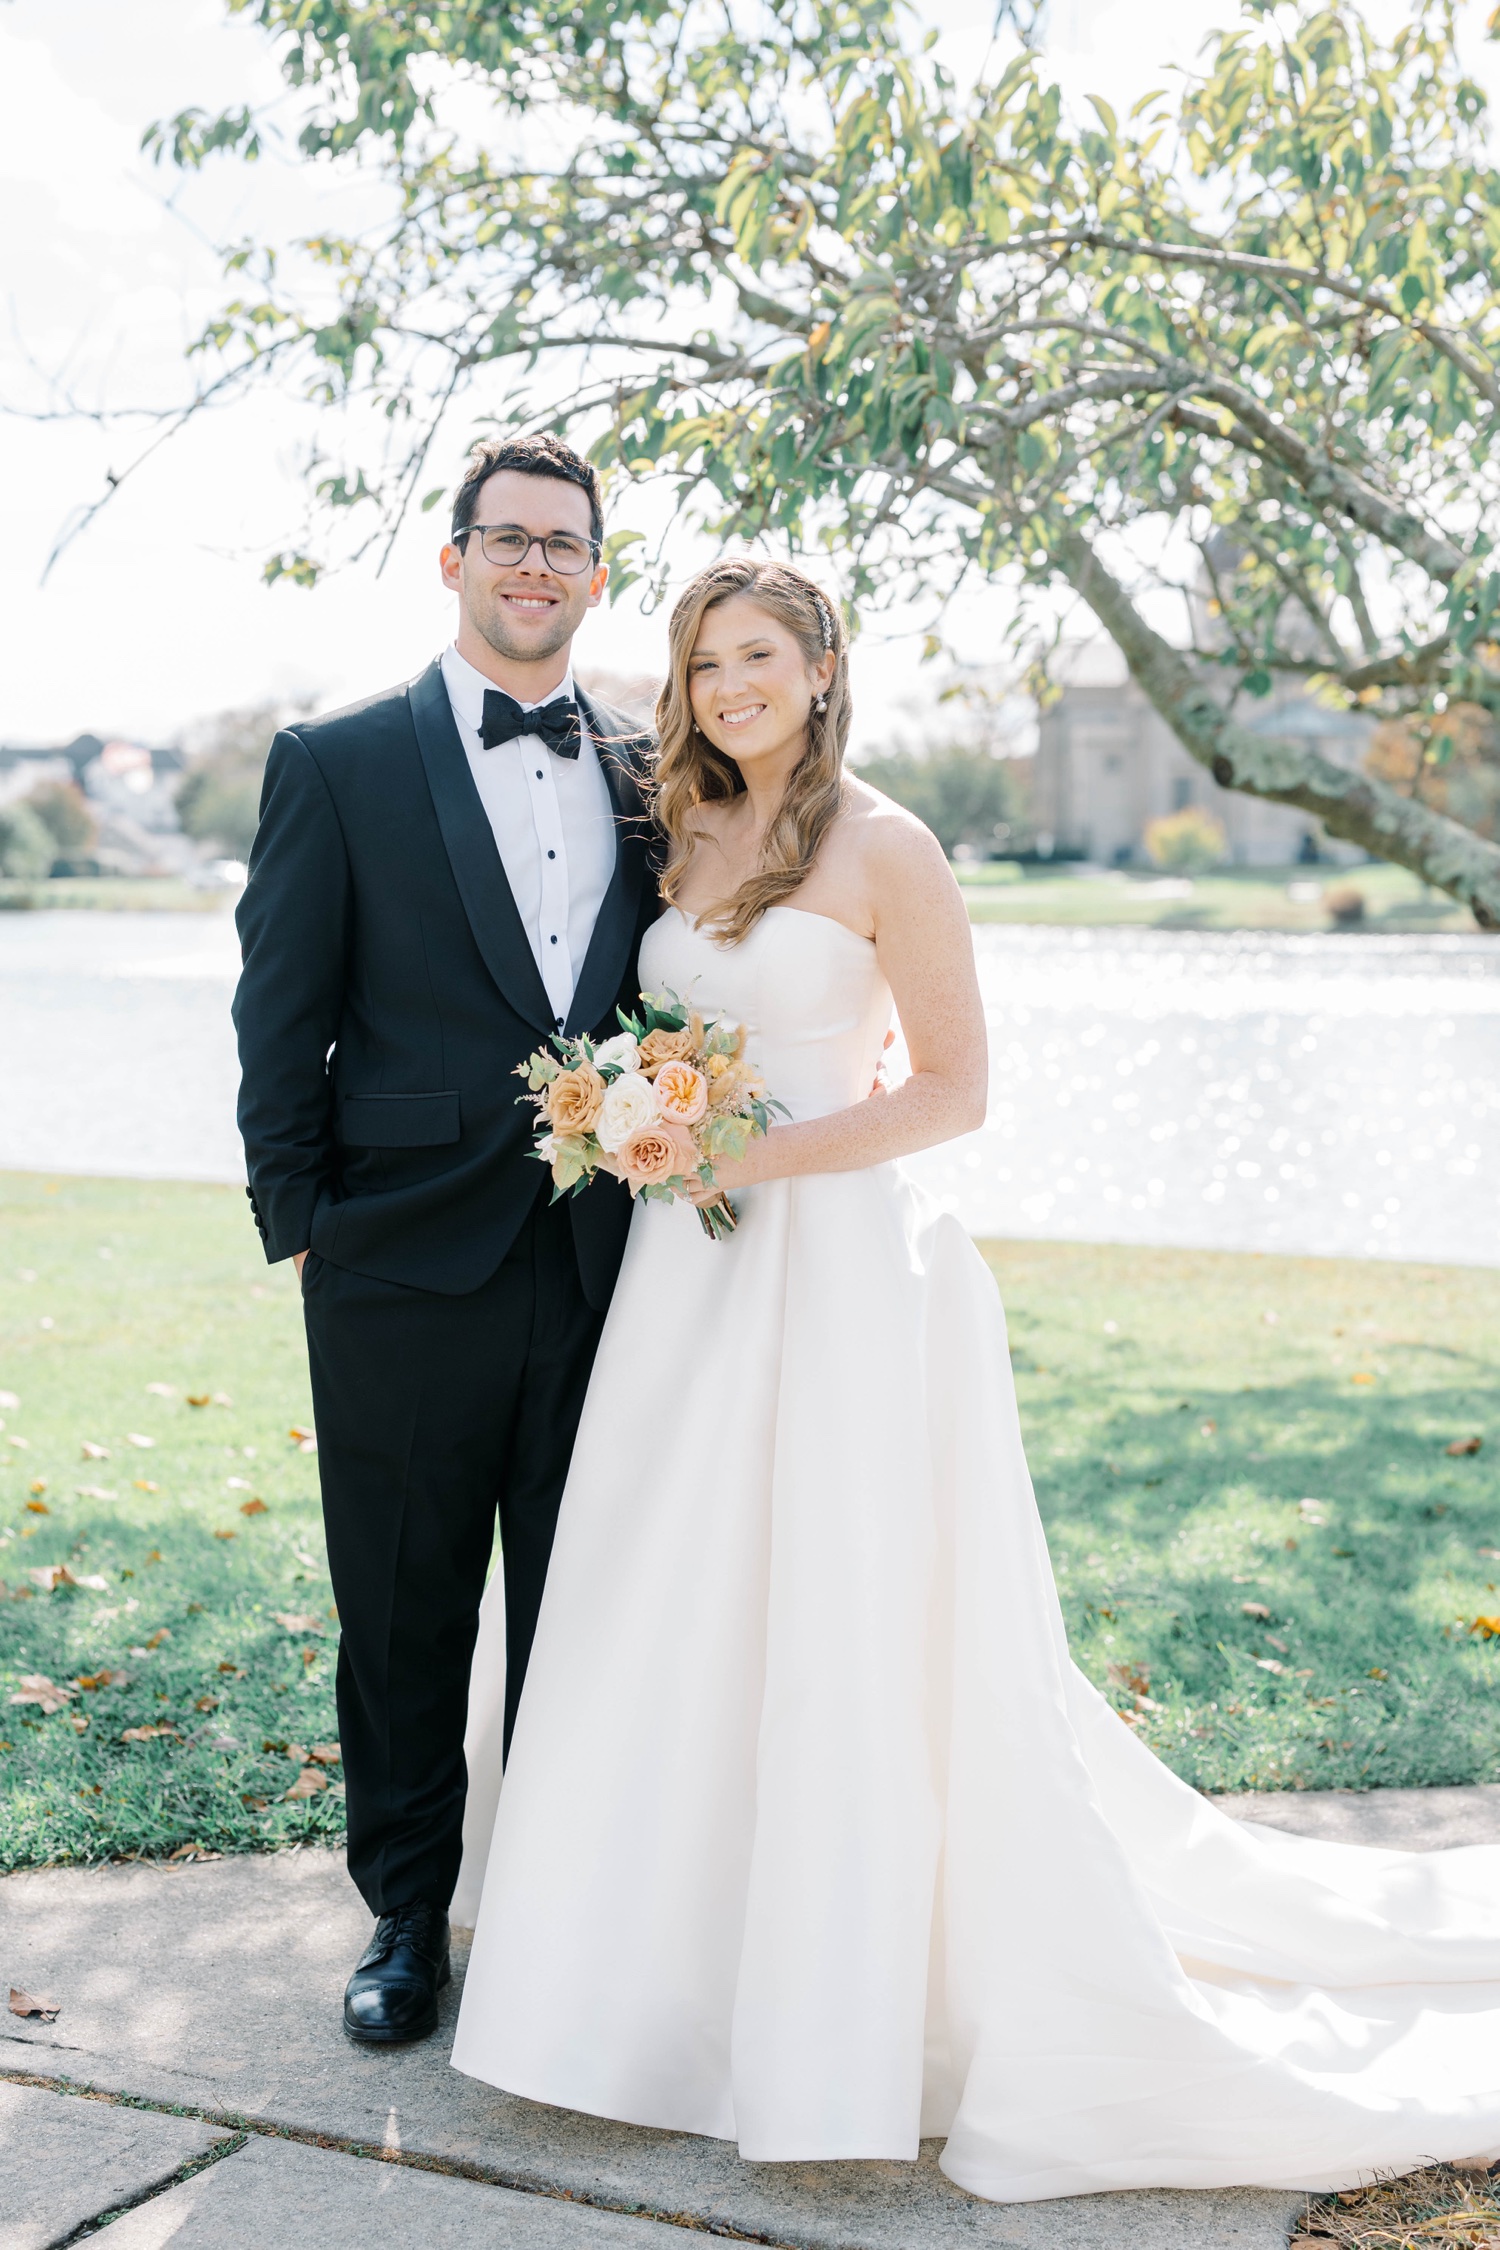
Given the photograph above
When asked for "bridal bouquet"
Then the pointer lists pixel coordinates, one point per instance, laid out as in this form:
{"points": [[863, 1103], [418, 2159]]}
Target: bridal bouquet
{"points": [[657, 1105]]}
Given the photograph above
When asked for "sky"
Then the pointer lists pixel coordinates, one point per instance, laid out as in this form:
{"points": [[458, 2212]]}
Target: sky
{"points": [[155, 617]]}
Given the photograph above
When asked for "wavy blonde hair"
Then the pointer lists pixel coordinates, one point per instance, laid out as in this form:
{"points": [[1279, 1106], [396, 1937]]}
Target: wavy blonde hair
{"points": [[689, 771]]}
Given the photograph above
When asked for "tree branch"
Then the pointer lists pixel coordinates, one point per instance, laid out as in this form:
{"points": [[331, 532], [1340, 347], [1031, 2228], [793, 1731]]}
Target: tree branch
{"points": [[1352, 805]]}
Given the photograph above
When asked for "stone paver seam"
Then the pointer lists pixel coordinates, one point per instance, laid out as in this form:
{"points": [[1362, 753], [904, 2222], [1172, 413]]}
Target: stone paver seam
{"points": [[307, 2136], [230, 2146]]}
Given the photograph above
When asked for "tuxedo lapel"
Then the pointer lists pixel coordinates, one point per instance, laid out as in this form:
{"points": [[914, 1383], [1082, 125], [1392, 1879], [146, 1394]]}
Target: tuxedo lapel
{"points": [[605, 962], [477, 869]]}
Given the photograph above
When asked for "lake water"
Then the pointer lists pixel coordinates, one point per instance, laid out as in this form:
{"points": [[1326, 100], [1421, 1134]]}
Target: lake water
{"points": [[1247, 1092]]}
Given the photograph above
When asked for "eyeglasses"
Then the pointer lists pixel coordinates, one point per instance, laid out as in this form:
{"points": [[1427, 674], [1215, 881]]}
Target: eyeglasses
{"points": [[507, 546]]}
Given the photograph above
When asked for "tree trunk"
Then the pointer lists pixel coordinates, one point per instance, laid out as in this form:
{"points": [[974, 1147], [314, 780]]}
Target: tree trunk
{"points": [[1349, 804]]}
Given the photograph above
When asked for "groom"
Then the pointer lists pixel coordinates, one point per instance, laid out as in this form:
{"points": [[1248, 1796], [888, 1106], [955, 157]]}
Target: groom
{"points": [[443, 876]]}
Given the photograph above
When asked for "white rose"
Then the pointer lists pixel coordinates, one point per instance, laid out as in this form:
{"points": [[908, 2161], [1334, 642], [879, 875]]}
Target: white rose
{"points": [[619, 1053], [629, 1104]]}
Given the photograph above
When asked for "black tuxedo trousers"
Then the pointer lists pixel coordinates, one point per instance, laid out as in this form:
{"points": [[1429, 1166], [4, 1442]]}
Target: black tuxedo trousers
{"points": [[429, 1410], [388, 992]]}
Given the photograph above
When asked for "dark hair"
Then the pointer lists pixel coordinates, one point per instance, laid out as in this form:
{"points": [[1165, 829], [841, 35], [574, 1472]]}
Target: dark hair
{"points": [[539, 456]]}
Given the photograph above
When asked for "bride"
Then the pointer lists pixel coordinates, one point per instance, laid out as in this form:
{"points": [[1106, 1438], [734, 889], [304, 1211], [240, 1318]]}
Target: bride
{"points": [[812, 1837]]}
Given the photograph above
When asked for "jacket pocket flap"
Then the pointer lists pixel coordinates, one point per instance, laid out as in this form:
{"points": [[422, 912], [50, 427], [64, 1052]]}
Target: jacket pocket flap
{"points": [[398, 1120]]}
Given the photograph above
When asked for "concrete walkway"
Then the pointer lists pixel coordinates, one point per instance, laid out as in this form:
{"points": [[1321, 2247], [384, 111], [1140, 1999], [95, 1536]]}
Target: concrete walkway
{"points": [[196, 2079]]}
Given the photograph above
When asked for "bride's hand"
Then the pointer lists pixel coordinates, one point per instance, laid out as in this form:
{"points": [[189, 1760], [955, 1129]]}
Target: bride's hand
{"points": [[730, 1175]]}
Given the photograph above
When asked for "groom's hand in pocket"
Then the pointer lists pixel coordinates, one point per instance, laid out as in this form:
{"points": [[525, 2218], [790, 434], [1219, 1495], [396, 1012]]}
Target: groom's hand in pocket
{"points": [[299, 1260]]}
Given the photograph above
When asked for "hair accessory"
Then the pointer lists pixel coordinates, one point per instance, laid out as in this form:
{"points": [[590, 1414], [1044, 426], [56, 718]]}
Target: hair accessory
{"points": [[825, 620]]}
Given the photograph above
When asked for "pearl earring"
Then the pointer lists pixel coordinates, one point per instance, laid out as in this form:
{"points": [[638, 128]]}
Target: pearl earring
{"points": [[821, 704]]}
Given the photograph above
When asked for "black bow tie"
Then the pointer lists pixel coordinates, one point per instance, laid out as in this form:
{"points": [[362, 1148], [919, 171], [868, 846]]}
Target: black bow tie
{"points": [[556, 722]]}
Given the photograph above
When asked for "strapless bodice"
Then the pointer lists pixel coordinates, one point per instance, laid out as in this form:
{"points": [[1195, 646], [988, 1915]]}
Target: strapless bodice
{"points": [[808, 991]]}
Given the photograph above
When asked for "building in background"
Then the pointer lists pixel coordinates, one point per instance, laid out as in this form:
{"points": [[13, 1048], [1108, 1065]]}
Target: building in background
{"points": [[1106, 764], [131, 793]]}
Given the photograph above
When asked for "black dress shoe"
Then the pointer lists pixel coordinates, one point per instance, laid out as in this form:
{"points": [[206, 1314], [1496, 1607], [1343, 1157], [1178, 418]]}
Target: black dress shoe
{"points": [[392, 1995]]}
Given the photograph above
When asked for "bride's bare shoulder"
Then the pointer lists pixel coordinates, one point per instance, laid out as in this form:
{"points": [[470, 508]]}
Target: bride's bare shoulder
{"points": [[895, 848]]}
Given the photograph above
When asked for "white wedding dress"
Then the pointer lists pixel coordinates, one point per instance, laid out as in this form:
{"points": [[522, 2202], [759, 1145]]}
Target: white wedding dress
{"points": [[812, 1837]]}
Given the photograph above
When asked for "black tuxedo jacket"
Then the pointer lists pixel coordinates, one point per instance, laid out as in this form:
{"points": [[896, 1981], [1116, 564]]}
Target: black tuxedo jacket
{"points": [[389, 991]]}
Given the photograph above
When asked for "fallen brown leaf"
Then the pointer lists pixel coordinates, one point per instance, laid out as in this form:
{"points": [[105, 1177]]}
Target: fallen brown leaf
{"points": [[1490, 1554], [256, 1507], [326, 1754], [92, 1452], [1463, 1445], [224, 1535], [1254, 1609], [187, 1852], [30, 2004], [162, 1633], [53, 1575], [1270, 1664], [1487, 1627], [52, 1695], [161, 1390], [307, 1784], [8, 1402], [95, 1680], [38, 1507], [221, 1398], [292, 1622], [198, 1398], [39, 1485], [207, 1703], [1362, 1377], [150, 1734], [255, 1804], [96, 1492], [137, 1438]]}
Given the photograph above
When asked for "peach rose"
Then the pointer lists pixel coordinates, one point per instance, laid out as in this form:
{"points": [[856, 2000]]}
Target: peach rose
{"points": [[682, 1093], [656, 1154], [573, 1100], [659, 1047]]}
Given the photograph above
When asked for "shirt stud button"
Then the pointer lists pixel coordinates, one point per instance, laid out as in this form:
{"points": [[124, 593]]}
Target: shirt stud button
{"points": [[539, 773], [552, 855], [554, 941]]}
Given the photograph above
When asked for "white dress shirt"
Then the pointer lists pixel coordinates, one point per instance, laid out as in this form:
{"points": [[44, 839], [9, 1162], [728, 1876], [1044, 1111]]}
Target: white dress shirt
{"points": [[554, 825]]}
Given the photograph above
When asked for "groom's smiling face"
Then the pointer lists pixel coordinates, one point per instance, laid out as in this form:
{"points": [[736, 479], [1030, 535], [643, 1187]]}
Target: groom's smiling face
{"points": [[526, 611]]}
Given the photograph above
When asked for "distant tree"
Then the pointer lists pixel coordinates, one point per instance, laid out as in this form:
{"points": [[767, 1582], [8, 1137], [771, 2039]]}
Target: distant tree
{"points": [[960, 790], [27, 846], [836, 297], [63, 811], [218, 798], [1463, 781]]}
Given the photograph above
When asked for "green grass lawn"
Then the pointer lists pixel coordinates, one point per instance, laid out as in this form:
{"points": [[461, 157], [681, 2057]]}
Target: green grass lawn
{"points": [[1174, 1431], [1255, 1520], [111, 893], [1232, 898]]}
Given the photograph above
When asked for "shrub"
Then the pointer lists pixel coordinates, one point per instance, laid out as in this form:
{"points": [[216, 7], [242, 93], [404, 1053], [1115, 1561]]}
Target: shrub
{"points": [[1186, 842], [26, 847]]}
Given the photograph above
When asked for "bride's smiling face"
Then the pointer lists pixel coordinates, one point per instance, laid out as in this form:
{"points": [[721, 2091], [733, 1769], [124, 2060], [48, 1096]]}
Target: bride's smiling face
{"points": [[750, 684]]}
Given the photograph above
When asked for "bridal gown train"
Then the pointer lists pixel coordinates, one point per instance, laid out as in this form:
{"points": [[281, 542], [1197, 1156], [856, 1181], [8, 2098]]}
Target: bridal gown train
{"points": [[812, 1837]]}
